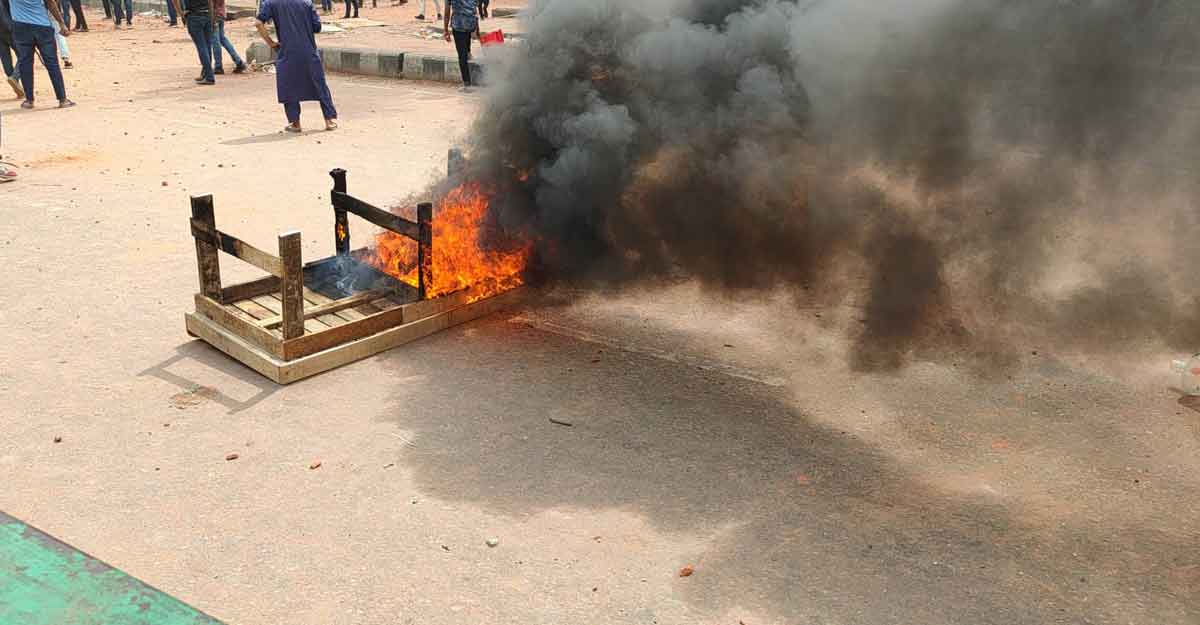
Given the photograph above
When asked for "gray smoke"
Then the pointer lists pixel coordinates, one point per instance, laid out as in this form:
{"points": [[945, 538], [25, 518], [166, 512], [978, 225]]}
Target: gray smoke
{"points": [[964, 171]]}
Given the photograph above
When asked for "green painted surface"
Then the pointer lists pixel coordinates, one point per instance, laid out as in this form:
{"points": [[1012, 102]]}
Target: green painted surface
{"points": [[46, 582]]}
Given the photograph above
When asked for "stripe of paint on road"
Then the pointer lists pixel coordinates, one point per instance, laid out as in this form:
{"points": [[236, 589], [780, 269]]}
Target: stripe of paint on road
{"points": [[44, 581]]}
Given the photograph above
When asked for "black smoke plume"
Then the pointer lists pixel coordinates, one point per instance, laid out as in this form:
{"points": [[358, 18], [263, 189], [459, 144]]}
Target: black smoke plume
{"points": [[963, 173]]}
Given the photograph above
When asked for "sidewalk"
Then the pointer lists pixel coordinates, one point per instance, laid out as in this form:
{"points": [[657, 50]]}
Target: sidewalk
{"points": [[390, 42]]}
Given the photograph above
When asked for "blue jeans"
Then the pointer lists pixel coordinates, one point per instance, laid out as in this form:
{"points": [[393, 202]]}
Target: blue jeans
{"points": [[219, 41], [127, 15], [201, 29], [27, 37], [171, 15]]}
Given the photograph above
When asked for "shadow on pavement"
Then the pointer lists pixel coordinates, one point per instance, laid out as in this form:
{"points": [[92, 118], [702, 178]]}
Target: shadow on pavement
{"points": [[810, 523]]}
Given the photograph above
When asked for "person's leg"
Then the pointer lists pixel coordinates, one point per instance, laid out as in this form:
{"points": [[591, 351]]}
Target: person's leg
{"points": [[23, 41], [171, 17], [292, 110], [107, 9], [80, 19], [64, 51], [128, 12], [6, 57], [218, 33], [195, 26], [45, 37], [462, 44], [65, 7], [229, 47], [118, 13]]}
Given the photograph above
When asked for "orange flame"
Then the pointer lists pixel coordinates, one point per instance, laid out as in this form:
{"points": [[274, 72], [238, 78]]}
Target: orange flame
{"points": [[458, 260]]}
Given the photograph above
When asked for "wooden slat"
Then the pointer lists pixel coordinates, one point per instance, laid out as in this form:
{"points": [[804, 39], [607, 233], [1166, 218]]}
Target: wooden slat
{"points": [[243, 351], [329, 311], [341, 226], [239, 323], [271, 302], [424, 249], [430, 307], [207, 261], [385, 303], [325, 360], [254, 309], [377, 216], [275, 304], [292, 280], [237, 248], [247, 290]]}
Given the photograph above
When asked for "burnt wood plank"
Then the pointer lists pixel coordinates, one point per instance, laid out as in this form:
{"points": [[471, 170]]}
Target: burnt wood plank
{"points": [[377, 216], [237, 248], [248, 290], [341, 226], [207, 262], [424, 249]]}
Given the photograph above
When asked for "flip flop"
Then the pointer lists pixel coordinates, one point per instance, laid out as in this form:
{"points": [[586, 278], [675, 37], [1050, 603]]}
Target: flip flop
{"points": [[8, 172], [330, 125], [291, 128]]}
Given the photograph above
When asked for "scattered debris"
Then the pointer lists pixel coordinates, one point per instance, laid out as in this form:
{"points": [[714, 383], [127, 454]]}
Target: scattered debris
{"points": [[164, 183], [557, 422], [389, 465], [687, 571], [58, 439], [445, 548], [492, 542], [315, 465], [232, 457], [595, 360], [728, 345]]}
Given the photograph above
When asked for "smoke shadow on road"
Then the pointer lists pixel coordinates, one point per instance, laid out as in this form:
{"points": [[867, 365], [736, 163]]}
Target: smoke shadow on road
{"points": [[809, 523]]}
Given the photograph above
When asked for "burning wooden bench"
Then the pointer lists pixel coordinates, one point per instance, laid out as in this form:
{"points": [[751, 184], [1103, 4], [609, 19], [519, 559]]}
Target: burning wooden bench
{"points": [[303, 319]]}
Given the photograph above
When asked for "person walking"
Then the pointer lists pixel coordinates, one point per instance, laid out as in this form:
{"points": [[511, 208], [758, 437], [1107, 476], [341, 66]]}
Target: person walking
{"points": [[436, 6], [80, 21], [220, 40], [459, 25], [352, 3], [172, 16], [32, 29], [6, 51], [299, 76], [108, 9], [198, 16], [126, 15]]}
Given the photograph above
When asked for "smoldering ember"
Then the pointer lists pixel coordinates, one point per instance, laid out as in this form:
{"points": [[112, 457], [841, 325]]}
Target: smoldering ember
{"points": [[554, 311]]}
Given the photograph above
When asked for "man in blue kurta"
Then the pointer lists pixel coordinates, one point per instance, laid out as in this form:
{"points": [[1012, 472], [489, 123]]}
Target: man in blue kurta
{"points": [[299, 76]]}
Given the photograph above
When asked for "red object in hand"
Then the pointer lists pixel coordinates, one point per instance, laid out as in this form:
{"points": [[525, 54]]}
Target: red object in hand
{"points": [[492, 37]]}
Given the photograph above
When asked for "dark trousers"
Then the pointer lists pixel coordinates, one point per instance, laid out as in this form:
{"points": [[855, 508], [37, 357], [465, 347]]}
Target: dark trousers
{"points": [[171, 16], [6, 57], [27, 37], [292, 110], [107, 8], [327, 5], [127, 15], [75, 6], [200, 27], [462, 44], [352, 3]]}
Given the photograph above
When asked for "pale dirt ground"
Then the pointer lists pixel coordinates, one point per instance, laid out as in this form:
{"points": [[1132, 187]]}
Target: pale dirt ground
{"points": [[729, 436]]}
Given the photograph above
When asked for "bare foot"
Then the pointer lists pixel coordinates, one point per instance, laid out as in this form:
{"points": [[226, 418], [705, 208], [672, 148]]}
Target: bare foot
{"points": [[330, 124]]}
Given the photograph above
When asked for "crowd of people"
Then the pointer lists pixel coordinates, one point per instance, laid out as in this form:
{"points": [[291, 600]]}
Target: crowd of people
{"points": [[40, 28]]}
